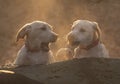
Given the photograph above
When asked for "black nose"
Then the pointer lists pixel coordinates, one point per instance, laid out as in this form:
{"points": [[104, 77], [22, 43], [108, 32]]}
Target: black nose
{"points": [[55, 35]]}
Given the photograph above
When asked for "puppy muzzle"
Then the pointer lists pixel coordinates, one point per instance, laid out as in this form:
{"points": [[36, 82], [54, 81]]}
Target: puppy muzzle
{"points": [[72, 40], [54, 37]]}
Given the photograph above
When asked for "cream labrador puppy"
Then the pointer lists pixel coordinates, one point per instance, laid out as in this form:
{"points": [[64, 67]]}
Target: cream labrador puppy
{"points": [[86, 36], [36, 49], [84, 40]]}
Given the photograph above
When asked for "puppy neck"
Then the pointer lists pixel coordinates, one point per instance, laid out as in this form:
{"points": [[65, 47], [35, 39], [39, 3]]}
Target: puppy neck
{"points": [[92, 45], [29, 49]]}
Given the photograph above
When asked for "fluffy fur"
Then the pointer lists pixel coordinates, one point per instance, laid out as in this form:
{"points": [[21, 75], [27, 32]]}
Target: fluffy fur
{"points": [[36, 49], [64, 54], [85, 40], [86, 33]]}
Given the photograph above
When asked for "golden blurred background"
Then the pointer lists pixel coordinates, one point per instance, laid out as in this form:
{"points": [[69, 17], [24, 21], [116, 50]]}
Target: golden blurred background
{"points": [[60, 14]]}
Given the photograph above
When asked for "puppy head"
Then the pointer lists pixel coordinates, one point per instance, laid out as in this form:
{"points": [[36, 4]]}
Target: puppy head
{"points": [[83, 32], [38, 35]]}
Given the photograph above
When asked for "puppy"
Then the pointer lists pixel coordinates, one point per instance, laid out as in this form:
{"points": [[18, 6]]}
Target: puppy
{"points": [[86, 36], [38, 35]]}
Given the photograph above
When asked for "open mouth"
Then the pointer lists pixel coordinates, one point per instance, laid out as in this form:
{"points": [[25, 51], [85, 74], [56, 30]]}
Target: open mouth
{"points": [[45, 47]]}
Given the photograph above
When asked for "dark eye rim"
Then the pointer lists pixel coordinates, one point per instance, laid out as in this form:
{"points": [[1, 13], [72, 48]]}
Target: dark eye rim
{"points": [[82, 30], [43, 28]]}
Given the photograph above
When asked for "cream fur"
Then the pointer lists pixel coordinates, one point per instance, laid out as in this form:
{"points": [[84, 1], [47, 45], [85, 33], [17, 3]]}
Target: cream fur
{"points": [[35, 51]]}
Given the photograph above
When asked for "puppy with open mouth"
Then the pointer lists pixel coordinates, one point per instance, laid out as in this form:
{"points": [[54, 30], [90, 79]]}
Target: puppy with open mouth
{"points": [[38, 35]]}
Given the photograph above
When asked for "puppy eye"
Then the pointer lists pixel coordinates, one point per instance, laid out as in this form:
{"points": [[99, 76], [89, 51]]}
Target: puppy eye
{"points": [[82, 30], [43, 28]]}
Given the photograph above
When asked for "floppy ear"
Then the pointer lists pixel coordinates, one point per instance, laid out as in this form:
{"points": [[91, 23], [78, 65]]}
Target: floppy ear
{"points": [[75, 22], [98, 30], [22, 32]]}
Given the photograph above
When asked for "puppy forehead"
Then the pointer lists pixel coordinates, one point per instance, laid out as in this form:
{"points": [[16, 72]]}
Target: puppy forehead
{"points": [[87, 25], [39, 24]]}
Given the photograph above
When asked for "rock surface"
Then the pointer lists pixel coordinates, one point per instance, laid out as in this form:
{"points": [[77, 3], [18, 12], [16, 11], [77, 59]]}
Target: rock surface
{"points": [[76, 71], [9, 77]]}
